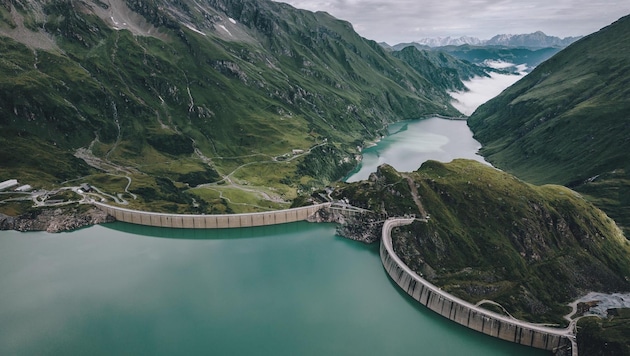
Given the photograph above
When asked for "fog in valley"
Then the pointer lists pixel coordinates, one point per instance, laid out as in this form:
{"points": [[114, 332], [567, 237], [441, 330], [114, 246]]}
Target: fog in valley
{"points": [[482, 89]]}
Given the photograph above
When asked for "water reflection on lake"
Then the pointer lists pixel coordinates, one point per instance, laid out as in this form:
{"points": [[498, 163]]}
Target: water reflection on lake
{"points": [[294, 289], [410, 143]]}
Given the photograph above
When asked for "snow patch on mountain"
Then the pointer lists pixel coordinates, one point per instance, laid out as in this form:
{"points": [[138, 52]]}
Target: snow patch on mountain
{"points": [[449, 41], [537, 39]]}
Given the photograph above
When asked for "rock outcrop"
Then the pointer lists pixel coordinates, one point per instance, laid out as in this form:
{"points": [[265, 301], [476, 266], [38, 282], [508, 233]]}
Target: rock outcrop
{"points": [[55, 219], [363, 227]]}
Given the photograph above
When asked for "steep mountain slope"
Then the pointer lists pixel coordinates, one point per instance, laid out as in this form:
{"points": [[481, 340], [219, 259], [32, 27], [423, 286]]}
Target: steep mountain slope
{"points": [[567, 121], [442, 69], [177, 94], [492, 236]]}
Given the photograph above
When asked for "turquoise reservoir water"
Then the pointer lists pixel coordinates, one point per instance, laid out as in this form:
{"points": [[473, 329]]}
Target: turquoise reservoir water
{"points": [[410, 143], [294, 289]]}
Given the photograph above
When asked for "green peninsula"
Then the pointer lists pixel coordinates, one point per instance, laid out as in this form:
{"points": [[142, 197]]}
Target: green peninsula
{"points": [[487, 235]]}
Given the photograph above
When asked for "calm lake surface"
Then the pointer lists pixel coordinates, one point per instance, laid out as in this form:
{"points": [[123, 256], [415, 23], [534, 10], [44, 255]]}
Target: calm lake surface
{"points": [[293, 289], [410, 143]]}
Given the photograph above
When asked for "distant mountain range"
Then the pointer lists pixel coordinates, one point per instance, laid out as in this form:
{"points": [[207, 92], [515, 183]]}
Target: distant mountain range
{"points": [[529, 49], [537, 39], [449, 41]]}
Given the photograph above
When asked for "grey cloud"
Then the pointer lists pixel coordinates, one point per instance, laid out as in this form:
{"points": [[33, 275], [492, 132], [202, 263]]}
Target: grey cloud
{"points": [[407, 20]]}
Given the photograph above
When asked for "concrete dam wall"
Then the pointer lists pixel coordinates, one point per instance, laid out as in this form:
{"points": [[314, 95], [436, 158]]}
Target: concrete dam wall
{"points": [[189, 221], [465, 313]]}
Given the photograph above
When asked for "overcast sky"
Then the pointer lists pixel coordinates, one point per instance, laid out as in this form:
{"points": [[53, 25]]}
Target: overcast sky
{"points": [[396, 21]]}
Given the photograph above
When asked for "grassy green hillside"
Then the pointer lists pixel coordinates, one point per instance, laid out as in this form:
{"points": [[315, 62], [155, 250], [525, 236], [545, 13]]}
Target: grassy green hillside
{"points": [[605, 337], [178, 94], [492, 236], [567, 121]]}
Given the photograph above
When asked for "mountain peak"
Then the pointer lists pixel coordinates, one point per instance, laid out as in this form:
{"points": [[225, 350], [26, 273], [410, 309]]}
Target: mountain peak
{"points": [[448, 41], [536, 39]]}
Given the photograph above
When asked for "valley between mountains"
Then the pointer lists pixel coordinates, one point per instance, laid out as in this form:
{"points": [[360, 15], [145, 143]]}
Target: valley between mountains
{"points": [[231, 106]]}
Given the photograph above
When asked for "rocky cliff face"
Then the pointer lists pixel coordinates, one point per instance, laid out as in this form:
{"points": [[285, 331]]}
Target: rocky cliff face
{"points": [[365, 228], [55, 219]]}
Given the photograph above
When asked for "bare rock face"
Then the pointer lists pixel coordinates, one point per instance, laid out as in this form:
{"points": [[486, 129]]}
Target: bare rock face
{"points": [[325, 216], [365, 230], [361, 227], [55, 219]]}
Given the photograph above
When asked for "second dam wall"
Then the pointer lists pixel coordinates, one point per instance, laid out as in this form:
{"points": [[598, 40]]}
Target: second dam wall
{"points": [[462, 312]]}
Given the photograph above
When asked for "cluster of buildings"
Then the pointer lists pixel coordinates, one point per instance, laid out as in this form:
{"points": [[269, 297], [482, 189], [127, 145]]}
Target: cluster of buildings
{"points": [[12, 183]]}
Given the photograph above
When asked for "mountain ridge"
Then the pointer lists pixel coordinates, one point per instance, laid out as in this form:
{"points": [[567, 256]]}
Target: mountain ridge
{"points": [[536, 39], [448, 41], [564, 123], [200, 104], [529, 49]]}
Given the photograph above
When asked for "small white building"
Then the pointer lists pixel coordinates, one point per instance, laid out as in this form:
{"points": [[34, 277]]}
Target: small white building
{"points": [[297, 152], [24, 188], [8, 184]]}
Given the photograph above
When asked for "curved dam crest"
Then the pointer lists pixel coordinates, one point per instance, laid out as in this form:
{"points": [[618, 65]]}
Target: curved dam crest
{"points": [[465, 313]]}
